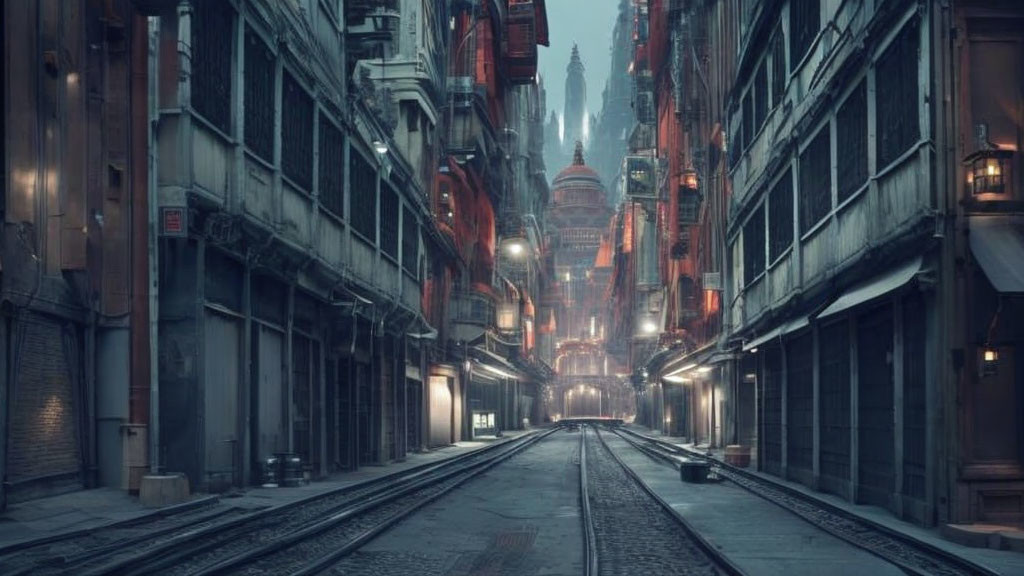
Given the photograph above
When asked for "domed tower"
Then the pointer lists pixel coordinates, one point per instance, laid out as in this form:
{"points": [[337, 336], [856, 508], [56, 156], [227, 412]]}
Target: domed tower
{"points": [[578, 218]]}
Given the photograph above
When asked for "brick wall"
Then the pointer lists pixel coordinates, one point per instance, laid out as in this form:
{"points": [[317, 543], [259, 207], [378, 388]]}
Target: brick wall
{"points": [[43, 438]]}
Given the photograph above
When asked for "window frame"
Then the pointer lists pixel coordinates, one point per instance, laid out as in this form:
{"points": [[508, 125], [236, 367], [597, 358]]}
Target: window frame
{"points": [[750, 251], [389, 215], [360, 209], [860, 90], [814, 151], [220, 97], [910, 104], [327, 166], [253, 140], [297, 145], [778, 247]]}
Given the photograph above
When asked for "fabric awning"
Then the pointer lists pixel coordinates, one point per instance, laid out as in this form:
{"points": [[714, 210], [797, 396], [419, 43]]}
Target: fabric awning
{"points": [[777, 332], [997, 242], [875, 287]]}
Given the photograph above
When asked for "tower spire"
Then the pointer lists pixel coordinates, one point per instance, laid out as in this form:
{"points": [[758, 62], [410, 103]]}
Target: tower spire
{"points": [[577, 157]]}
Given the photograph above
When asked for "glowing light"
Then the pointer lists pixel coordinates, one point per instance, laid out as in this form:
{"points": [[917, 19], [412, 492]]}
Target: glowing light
{"points": [[649, 327], [704, 369], [380, 147], [990, 355], [753, 350], [561, 128]]}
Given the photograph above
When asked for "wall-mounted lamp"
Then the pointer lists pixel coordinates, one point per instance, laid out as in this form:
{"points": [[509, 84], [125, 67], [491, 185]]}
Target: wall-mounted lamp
{"points": [[689, 179], [380, 147], [989, 361], [986, 167]]}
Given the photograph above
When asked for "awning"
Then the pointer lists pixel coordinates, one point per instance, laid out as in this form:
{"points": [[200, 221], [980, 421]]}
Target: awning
{"points": [[875, 287], [997, 242], [777, 332]]}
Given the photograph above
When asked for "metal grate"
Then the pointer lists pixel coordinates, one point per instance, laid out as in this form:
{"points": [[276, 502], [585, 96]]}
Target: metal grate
{"points": [[852, 142], [773, 410], [259, 96], [896, 100], [331, 174], [780, 216], [211, 61], [363, 197], [800, 403], [389, 208], [834, 401], [296, 132], [815, 180], [914, 390], [875, 434]]}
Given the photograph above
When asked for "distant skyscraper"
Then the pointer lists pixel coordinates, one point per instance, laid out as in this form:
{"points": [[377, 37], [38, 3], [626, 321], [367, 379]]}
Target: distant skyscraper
{"points": [[575, 100]]}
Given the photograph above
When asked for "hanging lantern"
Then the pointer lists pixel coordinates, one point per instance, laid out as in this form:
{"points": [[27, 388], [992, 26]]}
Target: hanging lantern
{"points": [[986, 167]]}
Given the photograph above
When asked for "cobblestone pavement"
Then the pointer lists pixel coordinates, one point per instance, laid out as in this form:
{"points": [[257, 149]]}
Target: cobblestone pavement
{"points": [[520, 518], [635, 535]]}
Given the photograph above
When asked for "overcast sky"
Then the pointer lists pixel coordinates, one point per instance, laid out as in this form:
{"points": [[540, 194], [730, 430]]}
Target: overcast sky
{"points": [[588, 23]]}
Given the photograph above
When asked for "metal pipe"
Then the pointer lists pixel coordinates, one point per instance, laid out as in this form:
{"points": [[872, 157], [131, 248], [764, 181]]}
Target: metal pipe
{"points": [[153, 248]]}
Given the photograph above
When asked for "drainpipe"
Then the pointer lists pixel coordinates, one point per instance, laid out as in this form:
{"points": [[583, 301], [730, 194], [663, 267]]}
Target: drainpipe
{"points": [[153, 248]]}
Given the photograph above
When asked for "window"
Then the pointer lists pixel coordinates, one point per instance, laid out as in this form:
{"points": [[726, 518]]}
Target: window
{"points": [[760, 96], [363, 199], [804, 20], [211, 62], [389, 208], [815, 181], [780, 216], [778, 63], [689, 206], [410, 242], [753, 246], [735, 146], [748, 118], [259, 97], [296, 132], [896, 100], [331, 176], [852, 142]]}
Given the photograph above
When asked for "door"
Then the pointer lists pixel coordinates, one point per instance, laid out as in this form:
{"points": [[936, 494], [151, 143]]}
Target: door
{"points": [[272, 435], [440, 411], [220, 423]]}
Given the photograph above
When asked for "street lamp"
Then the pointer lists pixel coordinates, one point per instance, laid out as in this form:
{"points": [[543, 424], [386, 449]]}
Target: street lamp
{"points": [[986, 167]]}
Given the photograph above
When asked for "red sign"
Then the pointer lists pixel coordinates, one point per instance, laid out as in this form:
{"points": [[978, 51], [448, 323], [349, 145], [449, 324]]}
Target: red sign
{"points": [[173, 222]]}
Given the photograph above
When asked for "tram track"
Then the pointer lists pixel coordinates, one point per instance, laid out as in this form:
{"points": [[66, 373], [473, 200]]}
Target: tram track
{"points": [[194, 540], [909, 554], [634, 530]]}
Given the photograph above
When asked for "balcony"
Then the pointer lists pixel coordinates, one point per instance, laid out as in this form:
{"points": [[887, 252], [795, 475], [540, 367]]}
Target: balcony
{"points": [[472, 307]]}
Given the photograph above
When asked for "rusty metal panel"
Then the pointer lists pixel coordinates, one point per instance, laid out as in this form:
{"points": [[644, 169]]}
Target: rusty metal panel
{"points": [[24, 62], [73, 231]]}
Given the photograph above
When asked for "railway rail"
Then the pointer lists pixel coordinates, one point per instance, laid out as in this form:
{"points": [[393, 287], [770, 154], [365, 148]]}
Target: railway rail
{"points": [[619, 507], [911, 555], [218, 539]]}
